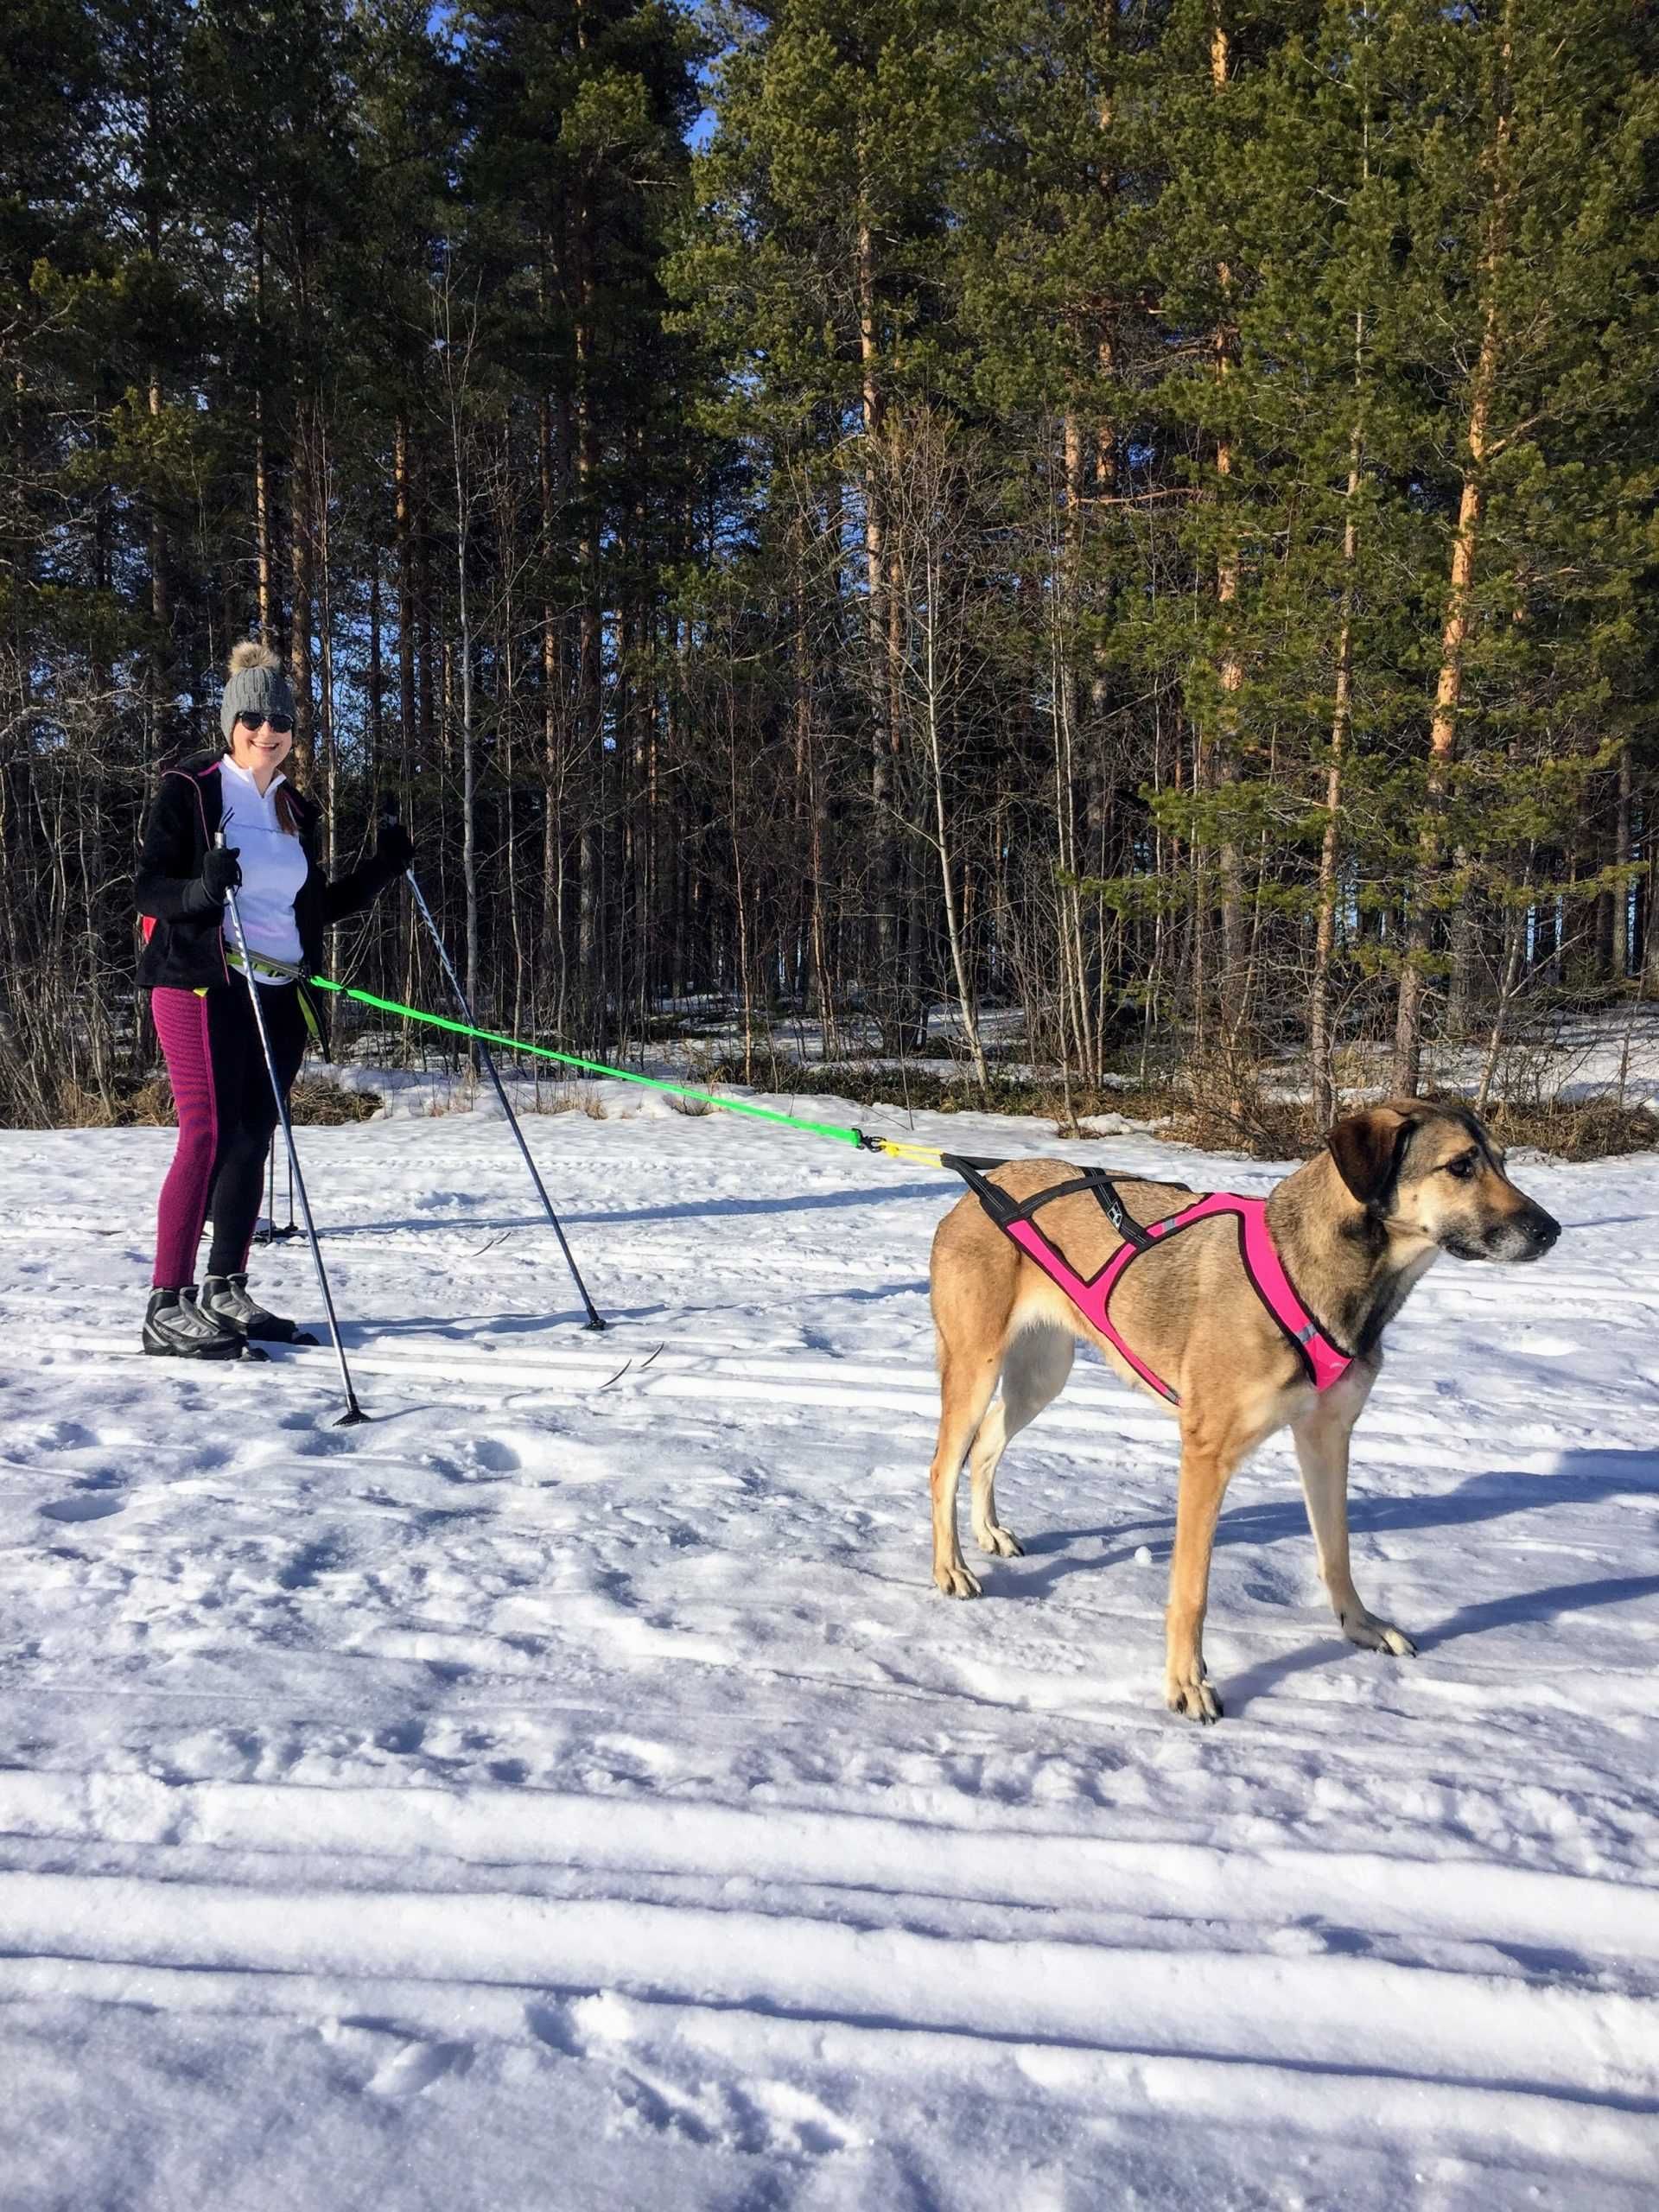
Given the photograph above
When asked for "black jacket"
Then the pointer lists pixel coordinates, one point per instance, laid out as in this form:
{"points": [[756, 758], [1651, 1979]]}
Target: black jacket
{"points": [[185, 946]]}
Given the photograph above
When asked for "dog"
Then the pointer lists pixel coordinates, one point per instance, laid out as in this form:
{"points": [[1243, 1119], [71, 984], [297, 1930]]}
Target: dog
{"points": [[1356, 1229]]}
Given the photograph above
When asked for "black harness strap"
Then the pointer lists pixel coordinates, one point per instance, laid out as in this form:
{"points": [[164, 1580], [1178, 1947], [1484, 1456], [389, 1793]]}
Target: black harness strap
{"points": [[1004, 1208]]}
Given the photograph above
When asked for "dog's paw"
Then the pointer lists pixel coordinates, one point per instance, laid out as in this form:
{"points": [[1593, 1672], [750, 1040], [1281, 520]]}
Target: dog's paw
{"points": [[1194, 1700], [1002, 1543], [1373, 1635], [956, 1581]]}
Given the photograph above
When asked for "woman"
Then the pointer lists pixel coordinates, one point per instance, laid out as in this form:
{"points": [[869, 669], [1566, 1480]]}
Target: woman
{"points": [[200, 1000]]}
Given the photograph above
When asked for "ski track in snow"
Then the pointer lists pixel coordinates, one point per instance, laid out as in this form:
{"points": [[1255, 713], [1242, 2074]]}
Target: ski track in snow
{"points": [[567, 1790]]}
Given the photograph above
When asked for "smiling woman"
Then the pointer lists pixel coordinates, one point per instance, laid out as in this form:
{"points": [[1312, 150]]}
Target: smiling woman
{"points": [[234, 823]]}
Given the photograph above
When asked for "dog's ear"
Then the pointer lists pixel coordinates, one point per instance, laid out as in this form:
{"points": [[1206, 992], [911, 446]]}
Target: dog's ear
{"points": [[1368, 1149]]}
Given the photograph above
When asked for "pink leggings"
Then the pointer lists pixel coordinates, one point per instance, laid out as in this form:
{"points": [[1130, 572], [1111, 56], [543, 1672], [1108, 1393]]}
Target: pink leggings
{"points": [[226, 1115]]}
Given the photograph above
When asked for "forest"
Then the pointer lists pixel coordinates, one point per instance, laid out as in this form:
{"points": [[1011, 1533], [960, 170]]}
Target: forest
{"points": [[1114, 535]]}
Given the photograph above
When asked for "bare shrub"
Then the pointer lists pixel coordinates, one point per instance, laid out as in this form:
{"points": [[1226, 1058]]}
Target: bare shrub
{"points": [[1593, 1128], [152, 1104], [315, 1103], [77, 1108], [124, 1105], [560, 1095]]}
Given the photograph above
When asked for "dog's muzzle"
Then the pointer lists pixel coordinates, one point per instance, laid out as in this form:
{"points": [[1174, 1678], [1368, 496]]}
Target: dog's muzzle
{"points": [[1524, 1235]]}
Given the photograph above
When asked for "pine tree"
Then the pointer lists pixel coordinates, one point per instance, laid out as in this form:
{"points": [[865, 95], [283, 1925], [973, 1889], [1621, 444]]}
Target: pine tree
{"points": [[813, 276], [1536, 334]]}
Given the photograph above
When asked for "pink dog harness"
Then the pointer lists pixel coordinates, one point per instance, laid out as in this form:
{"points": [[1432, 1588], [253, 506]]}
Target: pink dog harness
{"points": [[1324, 1361]]}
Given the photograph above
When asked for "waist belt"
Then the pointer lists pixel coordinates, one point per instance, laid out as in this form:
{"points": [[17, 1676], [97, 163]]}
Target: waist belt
{"points": [[265, 970], [1324, 1361]]}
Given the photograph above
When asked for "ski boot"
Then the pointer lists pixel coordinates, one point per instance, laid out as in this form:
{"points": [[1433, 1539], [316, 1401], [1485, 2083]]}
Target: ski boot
{"points": [[225, 1299], [176, 1327]]}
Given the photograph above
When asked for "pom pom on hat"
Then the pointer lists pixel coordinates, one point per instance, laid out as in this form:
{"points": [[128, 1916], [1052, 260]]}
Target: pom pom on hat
{"points": [[251, 654]]}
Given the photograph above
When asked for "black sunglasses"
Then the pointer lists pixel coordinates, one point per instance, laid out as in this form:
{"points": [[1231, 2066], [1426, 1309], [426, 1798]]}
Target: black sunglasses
{"points": [[281, 723]]}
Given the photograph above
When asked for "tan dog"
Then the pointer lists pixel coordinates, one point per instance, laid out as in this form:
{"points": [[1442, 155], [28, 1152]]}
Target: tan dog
{"points": [[1356, 1227]]}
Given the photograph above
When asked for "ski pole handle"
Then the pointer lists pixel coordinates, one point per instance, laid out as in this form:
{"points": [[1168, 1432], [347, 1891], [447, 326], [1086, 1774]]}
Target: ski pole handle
{"points": [[220, 874]]}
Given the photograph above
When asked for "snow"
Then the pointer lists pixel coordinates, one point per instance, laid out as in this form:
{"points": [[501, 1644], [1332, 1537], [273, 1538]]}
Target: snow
{"points": [[567, 1790]]}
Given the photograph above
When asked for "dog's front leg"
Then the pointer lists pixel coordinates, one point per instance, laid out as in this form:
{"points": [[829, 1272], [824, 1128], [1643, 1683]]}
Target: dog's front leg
{"points": [[1321, 1438], [1205, 1468]]}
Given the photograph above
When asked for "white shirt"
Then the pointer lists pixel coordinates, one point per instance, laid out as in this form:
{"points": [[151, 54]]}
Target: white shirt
{"points": [[273, 864]]}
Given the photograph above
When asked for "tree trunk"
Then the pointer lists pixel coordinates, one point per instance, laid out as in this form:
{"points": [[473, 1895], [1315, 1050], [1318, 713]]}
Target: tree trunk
{"points": [[1321, 1042], [264, 505], [1622, 809], [1234, 994], [1517, 945], [883, 855], [1443, 730], [299, 643], [931, 680], [590, 708], [551, 457], [1459, 614], [405, 598], [426, 629], [376, 702], [160, 609], [468, 756], [505, 649], [819, 993], [1063, 686], [325, 631], [1463, 947]]}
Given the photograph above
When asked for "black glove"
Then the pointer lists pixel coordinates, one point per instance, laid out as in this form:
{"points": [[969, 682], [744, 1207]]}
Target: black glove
{"points": [[394, 849], [221, 873]]}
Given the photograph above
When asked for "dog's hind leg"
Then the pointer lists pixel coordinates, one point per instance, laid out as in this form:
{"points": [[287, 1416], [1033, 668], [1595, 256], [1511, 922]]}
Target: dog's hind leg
{"points": [[966, 1381], [1034, 1369], [1321, 1438]]}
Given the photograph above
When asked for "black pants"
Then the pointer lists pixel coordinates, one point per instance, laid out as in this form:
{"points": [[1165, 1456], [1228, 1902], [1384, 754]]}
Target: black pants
{"points": [[226, 1115]]}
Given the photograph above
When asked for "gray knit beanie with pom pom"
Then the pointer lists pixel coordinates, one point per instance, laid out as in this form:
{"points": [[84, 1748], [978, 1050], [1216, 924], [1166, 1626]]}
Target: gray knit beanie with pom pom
{"points": [[256, 685]]}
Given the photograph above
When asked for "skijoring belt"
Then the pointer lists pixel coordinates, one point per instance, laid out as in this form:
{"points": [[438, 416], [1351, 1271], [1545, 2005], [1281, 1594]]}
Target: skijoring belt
{"points": [[1324, 1361], [267, 970]]}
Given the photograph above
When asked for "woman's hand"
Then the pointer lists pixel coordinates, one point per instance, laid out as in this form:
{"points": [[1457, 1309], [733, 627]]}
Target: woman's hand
{"points": [[394, 849], [221, 873]]}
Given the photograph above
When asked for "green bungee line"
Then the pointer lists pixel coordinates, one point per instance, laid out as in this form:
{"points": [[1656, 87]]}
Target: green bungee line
{"points": [[836, 1129]]}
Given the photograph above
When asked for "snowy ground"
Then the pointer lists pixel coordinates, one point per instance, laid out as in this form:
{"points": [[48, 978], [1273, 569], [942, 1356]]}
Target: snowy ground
{"points": [[554, 1795]]}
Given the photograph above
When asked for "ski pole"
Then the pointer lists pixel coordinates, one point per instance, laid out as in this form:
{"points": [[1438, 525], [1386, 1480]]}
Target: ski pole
{"points": [[271, 1234], [594, 1320], [353, 1413]]}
